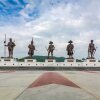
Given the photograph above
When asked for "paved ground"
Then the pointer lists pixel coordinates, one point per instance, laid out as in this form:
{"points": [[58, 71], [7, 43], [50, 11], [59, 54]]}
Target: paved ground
{"points": [[42, 85]]}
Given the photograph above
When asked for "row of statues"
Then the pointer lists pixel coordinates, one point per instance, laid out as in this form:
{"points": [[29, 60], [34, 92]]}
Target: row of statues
{"points": [[51, 48]]}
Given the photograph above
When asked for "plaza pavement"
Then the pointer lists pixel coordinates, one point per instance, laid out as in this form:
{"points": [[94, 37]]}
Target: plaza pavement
{"points": [[49, 85]]}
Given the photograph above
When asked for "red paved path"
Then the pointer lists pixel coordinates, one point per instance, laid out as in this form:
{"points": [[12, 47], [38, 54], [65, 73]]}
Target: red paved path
{"points": [[52, 78]]}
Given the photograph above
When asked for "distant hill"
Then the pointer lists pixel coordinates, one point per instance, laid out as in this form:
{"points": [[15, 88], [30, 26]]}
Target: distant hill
{"points": [[42, 58]]}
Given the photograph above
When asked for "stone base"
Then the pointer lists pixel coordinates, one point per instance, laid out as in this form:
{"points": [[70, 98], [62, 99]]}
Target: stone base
{"points": [[91, 60], [90, 57], [70, 59], [7, 59], [30, 60], [50, 60]]}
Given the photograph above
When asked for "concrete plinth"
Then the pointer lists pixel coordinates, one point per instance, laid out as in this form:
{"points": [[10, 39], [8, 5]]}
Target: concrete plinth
{"points": [[30, 60], [91, 60], [70, 60], [50, 60], [7, 60]]}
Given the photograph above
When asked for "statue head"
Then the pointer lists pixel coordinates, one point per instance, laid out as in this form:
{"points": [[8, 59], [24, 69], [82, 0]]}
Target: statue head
{"points": [[10, 39], [70, 41], [91, 41], [50, 42]]}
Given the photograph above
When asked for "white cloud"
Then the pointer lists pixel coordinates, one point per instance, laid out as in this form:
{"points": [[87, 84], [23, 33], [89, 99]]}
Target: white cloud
{"points": [[78, 21]]}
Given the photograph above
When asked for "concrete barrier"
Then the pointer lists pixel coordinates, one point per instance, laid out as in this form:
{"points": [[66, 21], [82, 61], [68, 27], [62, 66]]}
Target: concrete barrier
{"points": [[48, 63]]}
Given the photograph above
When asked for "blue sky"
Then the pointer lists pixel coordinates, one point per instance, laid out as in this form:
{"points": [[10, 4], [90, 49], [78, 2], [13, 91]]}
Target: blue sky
{"points": [[45, 20]]}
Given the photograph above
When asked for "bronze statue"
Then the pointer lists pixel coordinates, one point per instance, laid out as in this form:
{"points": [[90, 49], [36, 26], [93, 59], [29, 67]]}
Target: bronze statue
{"points": [[31, 49], [91, 50], [50, 49], [10, 46], [69, 49]]}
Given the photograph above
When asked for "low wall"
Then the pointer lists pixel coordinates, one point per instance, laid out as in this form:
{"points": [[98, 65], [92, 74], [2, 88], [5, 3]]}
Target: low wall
{"points": [[47, 63]]}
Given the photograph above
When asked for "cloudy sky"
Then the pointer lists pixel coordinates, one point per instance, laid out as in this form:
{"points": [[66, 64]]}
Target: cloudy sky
{"points": [[45, 20]]}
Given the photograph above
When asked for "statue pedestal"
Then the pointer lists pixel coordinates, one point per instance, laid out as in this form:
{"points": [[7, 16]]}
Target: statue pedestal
{"points": [[30, 60], [70, 60], [50, 60], [91, 60], [6, 59]]}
